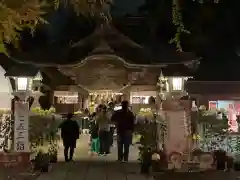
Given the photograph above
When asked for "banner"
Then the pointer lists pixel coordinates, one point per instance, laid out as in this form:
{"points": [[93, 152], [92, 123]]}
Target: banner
{"points": [[21, 114]]}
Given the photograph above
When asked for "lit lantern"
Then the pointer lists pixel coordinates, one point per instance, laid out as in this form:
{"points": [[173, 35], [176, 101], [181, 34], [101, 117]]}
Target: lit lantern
{"points": [[22, 83], [177, 84], [25, 85], [28, 83]]}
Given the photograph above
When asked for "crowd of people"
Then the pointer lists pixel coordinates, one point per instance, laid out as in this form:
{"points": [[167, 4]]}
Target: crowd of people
{"points": [[103, 124]]}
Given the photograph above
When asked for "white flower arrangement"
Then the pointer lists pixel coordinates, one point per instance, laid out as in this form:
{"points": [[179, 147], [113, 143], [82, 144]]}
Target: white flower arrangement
{"points": [[155, 157]]}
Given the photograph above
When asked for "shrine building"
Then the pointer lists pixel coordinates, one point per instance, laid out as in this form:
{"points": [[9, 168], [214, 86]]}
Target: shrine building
{"points": [[102, 67]]}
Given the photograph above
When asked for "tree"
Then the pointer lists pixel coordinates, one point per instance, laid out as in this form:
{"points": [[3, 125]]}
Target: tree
{"points": [[18, 15], [15, 16]]}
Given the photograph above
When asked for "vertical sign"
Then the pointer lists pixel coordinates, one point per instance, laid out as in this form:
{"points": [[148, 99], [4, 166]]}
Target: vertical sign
{"points": [[21, 142], [176, 131]]}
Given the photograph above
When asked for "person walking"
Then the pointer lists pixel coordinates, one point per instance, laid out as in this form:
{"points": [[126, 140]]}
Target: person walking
{"points": [[124, 120], [104, 129], [69, 134], [110, 112], [94, 135]]}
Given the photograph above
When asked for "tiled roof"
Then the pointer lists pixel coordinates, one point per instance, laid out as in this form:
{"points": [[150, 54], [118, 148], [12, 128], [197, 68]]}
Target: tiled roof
{"points": [[106, 40], [25, 70], [55, 77], [111, 41]]}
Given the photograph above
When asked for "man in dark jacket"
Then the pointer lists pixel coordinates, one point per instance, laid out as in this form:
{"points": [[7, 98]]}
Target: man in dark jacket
{"points": [[69, 134], [124, 120]]}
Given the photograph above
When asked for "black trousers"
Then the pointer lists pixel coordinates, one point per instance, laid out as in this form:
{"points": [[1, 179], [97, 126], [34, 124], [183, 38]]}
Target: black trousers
{"points": [[111, 133], [104, 142], [69, 149], [124, 141]]}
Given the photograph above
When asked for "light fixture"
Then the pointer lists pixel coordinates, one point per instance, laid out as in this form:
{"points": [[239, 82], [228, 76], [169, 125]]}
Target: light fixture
{"points": [[177, 83], [22, 83], [25, 83]]}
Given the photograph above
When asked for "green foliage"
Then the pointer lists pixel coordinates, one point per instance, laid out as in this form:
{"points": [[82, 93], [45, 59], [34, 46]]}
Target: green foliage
{"points": [[215, 135], [52, 150], [178, 23], [42, 112], [41, 161], [42, 130], [236, 144], [148, 139], [16, 15], [150, 133], [5, 111], [212, 123]]}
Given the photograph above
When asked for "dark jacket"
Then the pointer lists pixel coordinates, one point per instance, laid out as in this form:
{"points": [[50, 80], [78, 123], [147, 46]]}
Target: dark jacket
{"points": [[124, 120], [69, 130]]}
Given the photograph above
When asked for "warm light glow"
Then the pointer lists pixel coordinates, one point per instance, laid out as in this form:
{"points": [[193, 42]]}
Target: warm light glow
{"points": [[22, 84], [177, 84], [139, 99], [38, 77]]}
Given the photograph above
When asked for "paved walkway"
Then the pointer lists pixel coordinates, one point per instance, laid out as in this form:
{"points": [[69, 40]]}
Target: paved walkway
{"points": [[86, 167]]}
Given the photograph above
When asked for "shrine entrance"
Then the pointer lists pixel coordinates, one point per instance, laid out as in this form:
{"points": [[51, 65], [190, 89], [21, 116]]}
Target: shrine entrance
{"points": [[103, 97]]}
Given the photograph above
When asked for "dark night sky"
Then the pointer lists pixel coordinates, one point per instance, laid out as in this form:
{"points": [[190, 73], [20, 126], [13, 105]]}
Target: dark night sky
{"points": [[122, 7]]}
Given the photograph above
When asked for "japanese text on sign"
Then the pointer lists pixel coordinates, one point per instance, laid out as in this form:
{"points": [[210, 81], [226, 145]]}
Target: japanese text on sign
{"points": [[21, 143]]}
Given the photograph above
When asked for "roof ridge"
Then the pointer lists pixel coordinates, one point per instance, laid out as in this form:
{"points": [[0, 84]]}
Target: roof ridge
{"points": [[126, 37], [102, 46], [104, 30]]}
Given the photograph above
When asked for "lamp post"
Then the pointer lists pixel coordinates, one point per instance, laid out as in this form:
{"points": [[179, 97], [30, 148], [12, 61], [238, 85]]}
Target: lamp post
{"points": [[25, 87], [21, 114]]}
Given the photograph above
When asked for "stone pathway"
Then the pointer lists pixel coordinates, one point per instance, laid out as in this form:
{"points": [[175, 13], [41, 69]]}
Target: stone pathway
{"points": [[86, 167]]}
